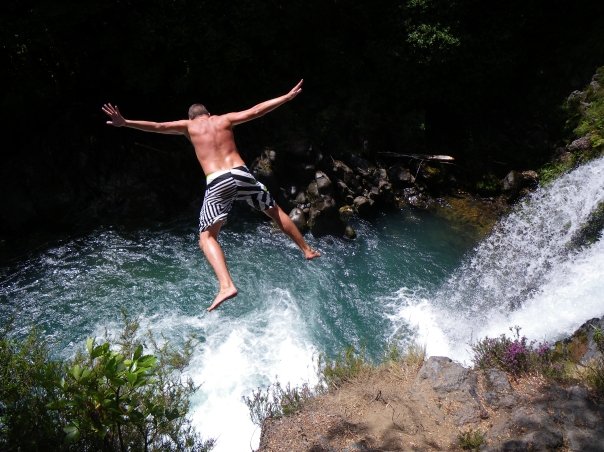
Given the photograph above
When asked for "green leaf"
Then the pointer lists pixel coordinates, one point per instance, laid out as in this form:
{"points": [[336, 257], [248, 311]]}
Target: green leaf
{"points": [[76, 371], [131, 378], [147, 361], [97, 351], [90, 345], [172, 414], [73, 433], [138, 352]]}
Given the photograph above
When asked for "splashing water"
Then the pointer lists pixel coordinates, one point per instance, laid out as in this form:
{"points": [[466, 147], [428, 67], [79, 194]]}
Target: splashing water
{"points": [[526, 273], [398, 280], [288, 310]]}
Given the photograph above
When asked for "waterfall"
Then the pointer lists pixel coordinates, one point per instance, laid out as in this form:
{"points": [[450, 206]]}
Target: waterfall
{"points": [[527, 273]]}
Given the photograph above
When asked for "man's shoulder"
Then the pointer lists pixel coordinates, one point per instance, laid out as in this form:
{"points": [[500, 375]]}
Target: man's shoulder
{"points": [[222, 120]]}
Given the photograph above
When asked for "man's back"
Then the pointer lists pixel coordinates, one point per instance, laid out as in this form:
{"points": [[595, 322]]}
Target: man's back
{"points": [[214, 143]]}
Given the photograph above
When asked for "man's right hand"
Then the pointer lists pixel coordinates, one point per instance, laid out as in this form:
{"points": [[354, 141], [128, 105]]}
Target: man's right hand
{"points": [[117, 120]]}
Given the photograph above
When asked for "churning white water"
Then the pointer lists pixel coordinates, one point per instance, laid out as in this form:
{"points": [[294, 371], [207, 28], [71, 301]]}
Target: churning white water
{"points": [[526, 274], [400, 278]]}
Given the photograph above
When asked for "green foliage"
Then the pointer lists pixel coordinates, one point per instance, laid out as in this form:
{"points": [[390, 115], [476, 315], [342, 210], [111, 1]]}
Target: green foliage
{"points": [[103, 399], [275, 401], [412, 357], [592, 117], [552, 170], [513, 354], [594, 374], [488, 184], [471, 439], [27, 384], [585, 116], [343, 368], [560, 362]]}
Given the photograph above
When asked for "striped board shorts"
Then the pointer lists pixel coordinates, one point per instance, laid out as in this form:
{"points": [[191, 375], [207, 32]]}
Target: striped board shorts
{"points": [[225, 187]]}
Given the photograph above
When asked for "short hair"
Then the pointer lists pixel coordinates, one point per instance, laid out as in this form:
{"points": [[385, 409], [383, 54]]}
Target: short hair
{"points": [[196, 110]]}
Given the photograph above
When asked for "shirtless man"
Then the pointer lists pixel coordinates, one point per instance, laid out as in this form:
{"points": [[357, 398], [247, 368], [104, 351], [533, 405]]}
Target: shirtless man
{"points": [[228, 179]]}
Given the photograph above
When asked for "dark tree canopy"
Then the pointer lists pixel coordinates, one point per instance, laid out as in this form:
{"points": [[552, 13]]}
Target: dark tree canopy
{"points": [[481, 81]]}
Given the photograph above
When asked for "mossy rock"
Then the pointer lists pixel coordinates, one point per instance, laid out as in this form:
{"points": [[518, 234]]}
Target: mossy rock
{"points": [[467, 211], [591, 231], [573, 349]]}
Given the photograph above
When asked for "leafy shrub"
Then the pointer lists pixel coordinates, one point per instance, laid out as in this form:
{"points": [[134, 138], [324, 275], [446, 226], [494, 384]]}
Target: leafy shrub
{"points": [[343, 368], [514, 355], [471, 439], [594, 374], [27, 384], [413, 356], [585, 113], [103, 399], [275, 401], [591, 122]]}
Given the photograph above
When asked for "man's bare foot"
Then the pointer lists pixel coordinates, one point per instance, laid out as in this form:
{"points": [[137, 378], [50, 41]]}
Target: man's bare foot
{"points": [[311, 254], [223, 295]]}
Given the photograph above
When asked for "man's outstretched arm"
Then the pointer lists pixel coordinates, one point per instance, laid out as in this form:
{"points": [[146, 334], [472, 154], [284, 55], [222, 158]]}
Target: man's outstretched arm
{"points": [[264, 107], [117, 120]]}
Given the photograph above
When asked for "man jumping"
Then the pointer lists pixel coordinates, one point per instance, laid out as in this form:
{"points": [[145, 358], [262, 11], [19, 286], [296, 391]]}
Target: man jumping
{"points": [[228, 179]]}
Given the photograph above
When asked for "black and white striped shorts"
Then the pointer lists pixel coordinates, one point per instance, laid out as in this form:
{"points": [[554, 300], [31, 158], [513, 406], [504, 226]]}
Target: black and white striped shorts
{"points": [[225, 187]]}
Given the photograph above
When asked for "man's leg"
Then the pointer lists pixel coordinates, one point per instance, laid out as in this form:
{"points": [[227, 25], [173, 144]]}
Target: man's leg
{"points": [[208, 242], [288, 227]]}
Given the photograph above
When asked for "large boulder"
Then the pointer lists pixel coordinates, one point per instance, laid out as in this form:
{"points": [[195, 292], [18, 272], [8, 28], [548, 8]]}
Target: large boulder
{"points": [[324, 217], [517, 183], [451, 381], [299, 218], [343, 172], [363, 205], [324, 185], [400, 176]]}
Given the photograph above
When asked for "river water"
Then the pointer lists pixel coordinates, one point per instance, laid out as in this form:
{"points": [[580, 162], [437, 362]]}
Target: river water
{"points": [[409, 276]]}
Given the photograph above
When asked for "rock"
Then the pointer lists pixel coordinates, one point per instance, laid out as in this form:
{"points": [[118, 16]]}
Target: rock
{"points": [[299, 218], [499, 393], [401, 177], [530, 179], [292, 191], [515, 181], [453, 382], [359, 164], [581, 345], [270, 154], [349, 232], [580, 144], [343, 172], [345, 213], [363, 205], [301, 198], [512, 182], [323, 217], [416, 198], [590, 231], [323, 183], [345, 192], [543, 440], [585, 440], [262, 168], [313, 192]]}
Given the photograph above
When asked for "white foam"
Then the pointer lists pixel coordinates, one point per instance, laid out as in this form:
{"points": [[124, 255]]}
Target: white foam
{"points": [[255, 351], [523, 275]]}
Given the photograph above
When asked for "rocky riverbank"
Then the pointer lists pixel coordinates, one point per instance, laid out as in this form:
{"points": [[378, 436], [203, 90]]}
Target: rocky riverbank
{"points": [[321, 194], [443, 405]]}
